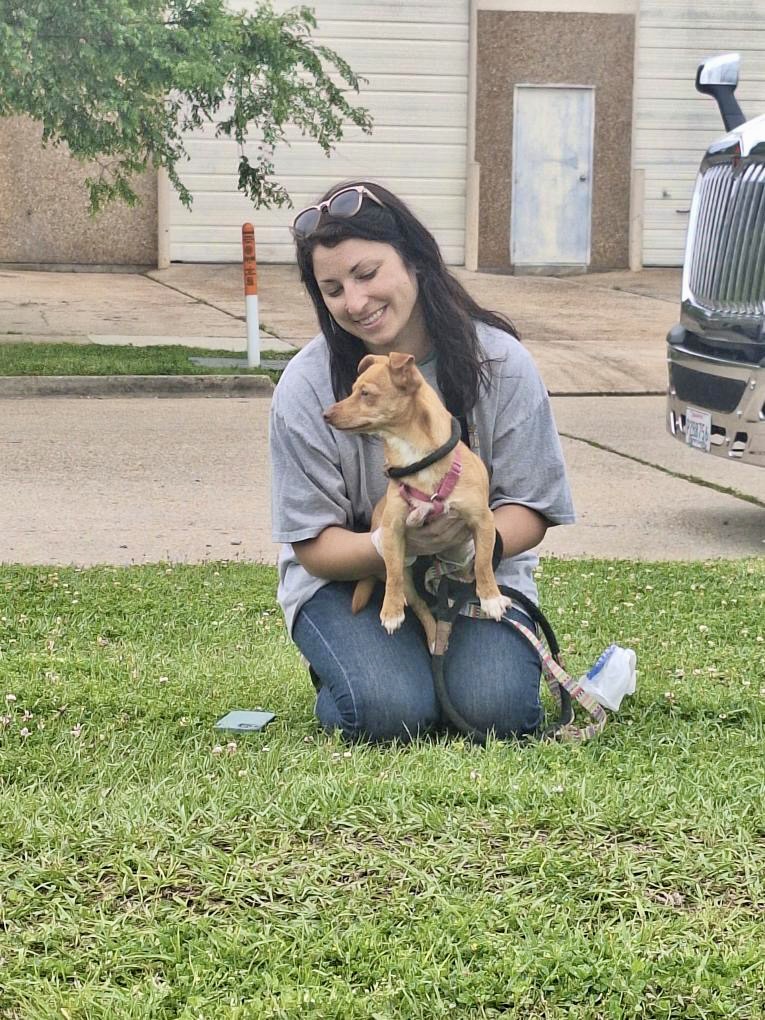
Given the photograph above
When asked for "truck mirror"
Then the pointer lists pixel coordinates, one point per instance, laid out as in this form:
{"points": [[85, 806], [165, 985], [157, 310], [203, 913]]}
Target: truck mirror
{"points": [[718, 77], [721, 70]]}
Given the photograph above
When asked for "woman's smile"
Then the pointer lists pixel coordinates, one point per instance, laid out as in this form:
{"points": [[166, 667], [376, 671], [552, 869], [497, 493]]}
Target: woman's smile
{"points": [[373, 319]]}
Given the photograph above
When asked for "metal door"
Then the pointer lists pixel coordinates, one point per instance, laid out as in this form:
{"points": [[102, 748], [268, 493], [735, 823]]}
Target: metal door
{"points": [[552, 175]]}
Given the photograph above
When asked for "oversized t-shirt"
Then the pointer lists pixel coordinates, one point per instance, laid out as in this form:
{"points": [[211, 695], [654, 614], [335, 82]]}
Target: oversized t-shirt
{"points": [[323, 477]]}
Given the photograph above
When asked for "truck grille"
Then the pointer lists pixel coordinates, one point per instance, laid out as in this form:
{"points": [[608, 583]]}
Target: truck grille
{"points": [[726, 253]]}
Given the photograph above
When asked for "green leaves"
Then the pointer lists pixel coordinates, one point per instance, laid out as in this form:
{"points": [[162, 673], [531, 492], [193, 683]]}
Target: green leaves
{"points": [[121, 81]]}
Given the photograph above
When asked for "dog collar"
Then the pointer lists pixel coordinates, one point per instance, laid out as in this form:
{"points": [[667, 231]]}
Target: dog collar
{"points": [[417, 500], [412, 469]]}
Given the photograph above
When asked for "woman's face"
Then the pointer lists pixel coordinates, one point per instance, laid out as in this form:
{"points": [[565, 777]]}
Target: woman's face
{"points": [[371, 293]]}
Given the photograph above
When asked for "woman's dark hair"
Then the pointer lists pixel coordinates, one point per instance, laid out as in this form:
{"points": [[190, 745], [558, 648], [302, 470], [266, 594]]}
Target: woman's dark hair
{"points": [[448, 310]]}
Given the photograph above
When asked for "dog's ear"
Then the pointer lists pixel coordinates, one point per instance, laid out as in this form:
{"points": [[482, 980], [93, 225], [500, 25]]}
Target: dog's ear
{"points": [[366, 362], [403, 372]]}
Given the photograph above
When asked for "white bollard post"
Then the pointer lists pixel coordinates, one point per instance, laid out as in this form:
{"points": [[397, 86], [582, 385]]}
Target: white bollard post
{"points": [[251, 295]]}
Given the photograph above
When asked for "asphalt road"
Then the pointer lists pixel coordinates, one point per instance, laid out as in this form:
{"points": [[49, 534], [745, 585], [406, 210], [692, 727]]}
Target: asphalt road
{"points": [[122, 481]]}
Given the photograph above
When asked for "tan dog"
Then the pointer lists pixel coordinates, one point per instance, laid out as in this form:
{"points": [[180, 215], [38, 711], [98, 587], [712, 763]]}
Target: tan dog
{"points": [[391, 399]]}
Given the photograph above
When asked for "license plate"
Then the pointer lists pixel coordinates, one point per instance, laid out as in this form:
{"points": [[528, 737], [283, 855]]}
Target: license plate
{"points": [[698, 429]]}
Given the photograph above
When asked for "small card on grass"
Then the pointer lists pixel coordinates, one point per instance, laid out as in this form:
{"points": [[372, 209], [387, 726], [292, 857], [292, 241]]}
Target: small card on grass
{"points": [[244, 722]]}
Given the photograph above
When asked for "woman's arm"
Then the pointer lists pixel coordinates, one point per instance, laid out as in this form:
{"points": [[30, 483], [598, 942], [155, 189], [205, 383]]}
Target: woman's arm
{"points": [[339, 555], [519, 527]]}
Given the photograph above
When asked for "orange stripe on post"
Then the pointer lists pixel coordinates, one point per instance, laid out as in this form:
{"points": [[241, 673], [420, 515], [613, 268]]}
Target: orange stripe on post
{"points": [[248, 259], [251, 295]]}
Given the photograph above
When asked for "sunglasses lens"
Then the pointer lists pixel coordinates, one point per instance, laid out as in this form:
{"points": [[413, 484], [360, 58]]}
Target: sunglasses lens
{"points": [[345, 204], [306, 221]]}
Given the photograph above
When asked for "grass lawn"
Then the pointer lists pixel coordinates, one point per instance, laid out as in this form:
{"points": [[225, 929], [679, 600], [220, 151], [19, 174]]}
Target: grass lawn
{"points": [[103, 359], [147, 873]]}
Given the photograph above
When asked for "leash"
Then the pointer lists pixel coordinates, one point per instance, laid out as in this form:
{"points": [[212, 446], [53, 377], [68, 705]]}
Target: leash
{"points": [[455, 597]]}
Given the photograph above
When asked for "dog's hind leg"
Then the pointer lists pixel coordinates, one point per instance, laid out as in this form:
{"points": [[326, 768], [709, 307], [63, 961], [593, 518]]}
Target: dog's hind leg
{"points": [[362, 593]]}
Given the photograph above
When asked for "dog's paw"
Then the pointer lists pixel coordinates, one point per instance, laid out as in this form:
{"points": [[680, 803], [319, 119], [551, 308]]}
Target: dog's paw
{"points": [[392, 621], [495, 607], [416, 517], [392, 611]]}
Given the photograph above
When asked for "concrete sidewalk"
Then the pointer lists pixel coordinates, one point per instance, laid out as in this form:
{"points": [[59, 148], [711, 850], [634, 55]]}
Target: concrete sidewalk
{"points": [[602, 333]]}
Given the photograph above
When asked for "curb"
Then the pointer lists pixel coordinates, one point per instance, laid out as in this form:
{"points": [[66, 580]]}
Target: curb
{"points": [[135, 386]]}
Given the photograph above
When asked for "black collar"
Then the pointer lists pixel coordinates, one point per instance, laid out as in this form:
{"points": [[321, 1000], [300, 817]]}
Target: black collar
{"points": [[412, 469]]}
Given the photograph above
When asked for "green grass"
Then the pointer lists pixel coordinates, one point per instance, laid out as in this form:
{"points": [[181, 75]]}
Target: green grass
{"points": [[145, 874], [102, 359]]}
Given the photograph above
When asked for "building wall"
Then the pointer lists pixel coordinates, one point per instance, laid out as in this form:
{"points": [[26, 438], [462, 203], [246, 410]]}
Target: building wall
{"points": [[44, 218], [554, 47], [413, 60], [674, 124]]}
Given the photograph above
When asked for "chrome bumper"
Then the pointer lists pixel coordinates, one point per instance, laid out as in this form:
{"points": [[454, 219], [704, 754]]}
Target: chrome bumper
{"points": [[733, 394]]}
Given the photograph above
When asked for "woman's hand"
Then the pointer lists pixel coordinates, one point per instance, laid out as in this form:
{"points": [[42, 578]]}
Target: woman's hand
{"points": [[437, 534]]}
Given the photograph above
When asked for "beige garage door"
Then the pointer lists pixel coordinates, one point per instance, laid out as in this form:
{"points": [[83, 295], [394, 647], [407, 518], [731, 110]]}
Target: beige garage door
{"points": [[415, 59]]}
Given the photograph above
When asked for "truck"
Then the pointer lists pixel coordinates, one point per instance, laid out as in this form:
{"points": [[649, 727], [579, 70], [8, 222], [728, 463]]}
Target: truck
{"points": [[716, 352]]}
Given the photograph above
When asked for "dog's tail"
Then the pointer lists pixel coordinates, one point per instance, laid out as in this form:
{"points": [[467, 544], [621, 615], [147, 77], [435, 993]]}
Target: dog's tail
{"points": [[362, 593]]}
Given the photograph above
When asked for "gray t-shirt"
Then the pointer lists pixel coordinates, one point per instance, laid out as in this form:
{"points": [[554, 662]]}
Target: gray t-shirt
{"points": [[321, 477]]}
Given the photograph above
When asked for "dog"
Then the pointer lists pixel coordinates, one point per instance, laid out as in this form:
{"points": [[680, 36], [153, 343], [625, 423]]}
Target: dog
{"points": [[391, 398]]}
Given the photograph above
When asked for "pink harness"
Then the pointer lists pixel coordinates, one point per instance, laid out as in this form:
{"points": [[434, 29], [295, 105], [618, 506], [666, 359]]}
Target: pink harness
{"points": [[431, 506]]}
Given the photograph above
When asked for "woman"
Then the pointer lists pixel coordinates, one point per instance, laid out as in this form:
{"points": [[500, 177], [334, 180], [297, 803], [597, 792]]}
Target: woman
{"points": [[378, 283]]}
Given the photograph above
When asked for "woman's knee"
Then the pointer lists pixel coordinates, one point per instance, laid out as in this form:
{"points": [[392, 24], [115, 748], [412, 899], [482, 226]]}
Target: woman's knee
{"points": [[373, 686], [514, 713], [498, 690], [376, 713]]}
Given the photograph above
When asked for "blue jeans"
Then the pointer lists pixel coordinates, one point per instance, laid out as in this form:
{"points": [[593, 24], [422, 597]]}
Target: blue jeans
{"points": [[376, 686]]}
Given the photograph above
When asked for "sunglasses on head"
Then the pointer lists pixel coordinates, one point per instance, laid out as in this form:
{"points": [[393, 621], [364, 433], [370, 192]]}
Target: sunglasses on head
{"points": [[343, 205]]}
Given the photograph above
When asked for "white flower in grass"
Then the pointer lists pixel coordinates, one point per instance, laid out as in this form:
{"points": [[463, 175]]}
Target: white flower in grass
{"points": [[27, 715], [76, 730], [5, 720], [163, 680], [217, 749], [24, 732], [231, 747], [10, 698]]}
